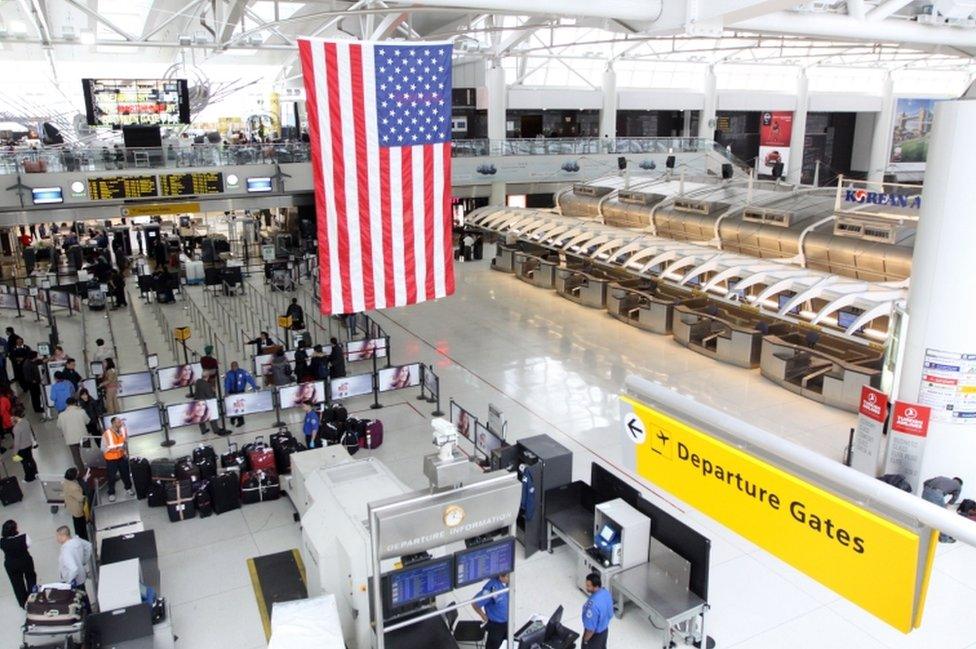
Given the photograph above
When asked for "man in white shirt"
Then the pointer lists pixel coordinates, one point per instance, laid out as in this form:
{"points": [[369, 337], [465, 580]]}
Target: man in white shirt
{"points": [[73, 424], [101, 351], [74, 559]]}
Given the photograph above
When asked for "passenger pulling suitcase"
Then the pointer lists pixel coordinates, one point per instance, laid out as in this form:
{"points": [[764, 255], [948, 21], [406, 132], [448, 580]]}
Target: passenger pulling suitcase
{"points": [[225, 493], [141, 476]]}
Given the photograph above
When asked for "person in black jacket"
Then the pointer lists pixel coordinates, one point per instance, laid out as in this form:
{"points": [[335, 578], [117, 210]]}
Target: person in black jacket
{"points": [[337, 361], [70, 374], [297, 314], [31, 370], [19, 352], [17, 561], [94, 410]]}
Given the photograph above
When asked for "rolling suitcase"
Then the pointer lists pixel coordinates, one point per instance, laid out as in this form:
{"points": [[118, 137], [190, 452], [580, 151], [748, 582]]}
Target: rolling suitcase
{"points": [[201, 500], [179, 500], [332, 432], [141, 476], [233, 459], [372, 434], [225, 493], [261, 458], [283, 445], [186, 470], [10, 492], [156, 494], [339, 413], [351, 441], [163, 469], [259, 486], [202, 452]]}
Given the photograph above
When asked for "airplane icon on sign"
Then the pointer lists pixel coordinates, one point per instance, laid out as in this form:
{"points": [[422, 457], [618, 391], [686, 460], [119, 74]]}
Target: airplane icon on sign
{"points": [[662, 448]]}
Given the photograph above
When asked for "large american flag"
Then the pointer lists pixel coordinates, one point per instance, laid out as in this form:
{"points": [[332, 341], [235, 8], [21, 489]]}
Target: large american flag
{"points": [[379, 118]]}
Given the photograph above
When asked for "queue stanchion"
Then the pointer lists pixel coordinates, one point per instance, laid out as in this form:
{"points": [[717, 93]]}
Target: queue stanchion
{"points": [[17, 297], [167, 442], [276, 399], [389, 354], [423, 383], [437, 394], [376, 405]]}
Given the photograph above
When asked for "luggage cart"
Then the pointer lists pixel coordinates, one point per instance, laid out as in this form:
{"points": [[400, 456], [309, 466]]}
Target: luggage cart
{"points": [[53, 492]]}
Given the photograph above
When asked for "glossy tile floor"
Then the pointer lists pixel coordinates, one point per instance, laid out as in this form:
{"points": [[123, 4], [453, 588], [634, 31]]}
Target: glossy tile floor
{"points": [[553, 367]]}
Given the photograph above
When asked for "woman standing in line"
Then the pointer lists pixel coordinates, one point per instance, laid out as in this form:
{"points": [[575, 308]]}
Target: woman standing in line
{"points": [[24, 444], [18, 561], [110, 384]]}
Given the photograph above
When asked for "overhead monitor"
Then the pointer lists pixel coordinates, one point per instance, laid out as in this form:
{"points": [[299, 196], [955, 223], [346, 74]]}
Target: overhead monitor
{"points": [[782, 299], [191, 184], [483, 562], [846, 318], [418, 582], [192, 412], [248, 403], [486, 441], [178, 376], [140, 421], [47, 196], [293, 396], [128, 102], [105, 188], [259, 185], [135, 383]]}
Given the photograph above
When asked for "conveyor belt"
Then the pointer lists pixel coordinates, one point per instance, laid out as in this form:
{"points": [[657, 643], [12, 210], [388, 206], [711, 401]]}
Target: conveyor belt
{"points": [[278, 577]]}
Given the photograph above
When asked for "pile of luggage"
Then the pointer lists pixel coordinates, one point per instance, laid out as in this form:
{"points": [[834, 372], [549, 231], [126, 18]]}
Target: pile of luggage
{"points": [[337, 427], [55, 616], [193, 485]]}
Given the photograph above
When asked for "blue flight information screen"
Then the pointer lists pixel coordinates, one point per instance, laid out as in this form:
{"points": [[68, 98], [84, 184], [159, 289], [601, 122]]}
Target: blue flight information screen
{"points": [[423, 581], [483, 562]]}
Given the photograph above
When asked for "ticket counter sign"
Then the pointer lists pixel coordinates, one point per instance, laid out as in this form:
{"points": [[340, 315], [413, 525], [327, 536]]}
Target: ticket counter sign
{"points": [[860, 555], [909, 429]]}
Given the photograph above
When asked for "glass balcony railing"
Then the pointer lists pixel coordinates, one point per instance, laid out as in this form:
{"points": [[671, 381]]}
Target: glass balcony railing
{"points": [[70, 158]]}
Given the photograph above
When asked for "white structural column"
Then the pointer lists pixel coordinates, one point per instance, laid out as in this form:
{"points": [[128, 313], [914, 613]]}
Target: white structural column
{"points": [[799, 132], [608, 115], [942, 298], [497, 101], [706, 125], [881, 141]]}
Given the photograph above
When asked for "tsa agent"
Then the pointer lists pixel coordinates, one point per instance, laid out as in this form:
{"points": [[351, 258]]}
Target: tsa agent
{"points": [[597, 613], [311, 424], [494, 610], [236, 382]]}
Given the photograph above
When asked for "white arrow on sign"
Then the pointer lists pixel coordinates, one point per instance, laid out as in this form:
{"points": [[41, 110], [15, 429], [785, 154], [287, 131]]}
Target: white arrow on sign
{"points": [[634, 428]]}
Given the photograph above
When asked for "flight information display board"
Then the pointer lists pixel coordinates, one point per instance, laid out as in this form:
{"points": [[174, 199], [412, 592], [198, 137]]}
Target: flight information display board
{"points": [[417, 582], [191, 184], [104, 188], [483, 562]]}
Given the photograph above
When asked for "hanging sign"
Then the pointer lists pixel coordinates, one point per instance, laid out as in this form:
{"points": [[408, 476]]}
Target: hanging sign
{"points": [[871, 417], [909, 427]]}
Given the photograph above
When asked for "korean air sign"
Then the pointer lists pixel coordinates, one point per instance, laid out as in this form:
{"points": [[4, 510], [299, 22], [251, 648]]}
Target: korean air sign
{"points": [[865, 197]]}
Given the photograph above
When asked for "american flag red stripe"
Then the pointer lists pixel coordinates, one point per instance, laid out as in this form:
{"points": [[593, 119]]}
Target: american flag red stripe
{"points": [[381, 164]]}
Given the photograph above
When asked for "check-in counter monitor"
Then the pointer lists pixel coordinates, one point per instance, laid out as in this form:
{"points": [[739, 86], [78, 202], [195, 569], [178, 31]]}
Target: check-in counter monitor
{"points": [[645, 304], [585, 286], [725, 332], [538, 269], [823, 368]]}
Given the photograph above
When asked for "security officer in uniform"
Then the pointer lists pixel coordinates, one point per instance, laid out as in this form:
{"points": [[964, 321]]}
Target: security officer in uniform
{"points": [[597, 612], [494, 610]]}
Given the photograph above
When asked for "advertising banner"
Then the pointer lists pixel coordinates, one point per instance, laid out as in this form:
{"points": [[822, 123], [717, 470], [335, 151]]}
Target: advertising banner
{"points": [[397, 378], [910, 131], [871, 417], [135, 383], [293, 396], [948, 386], [141, 421], [248, 403], [352, 386], [775, 129], [262, 363], [192, 412], [362, 350], [906, 440], [178, 376], [431, 381], [871, 561], [463, 421]]}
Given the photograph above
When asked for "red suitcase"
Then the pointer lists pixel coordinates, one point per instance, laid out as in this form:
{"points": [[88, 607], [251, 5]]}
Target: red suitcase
{"points": [[372, 435], [262, 459]]}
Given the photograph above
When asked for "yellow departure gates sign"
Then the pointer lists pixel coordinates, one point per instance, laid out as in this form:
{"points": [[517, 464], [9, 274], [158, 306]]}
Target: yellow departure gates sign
{"points": [[855, 552], [181, 333], [159, 209]]}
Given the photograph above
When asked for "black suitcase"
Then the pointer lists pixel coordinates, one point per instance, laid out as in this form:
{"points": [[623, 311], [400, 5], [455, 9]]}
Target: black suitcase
{"points": [[186, 470], [225, 493], [10, 492], [233, 459], [207, 467], [163, 468], [339, 412], [179, 500], [283, 445], [351, 441], [141, 476], [259, 486], [332, 432], [203, 503], [156, 494], [202, 452]]}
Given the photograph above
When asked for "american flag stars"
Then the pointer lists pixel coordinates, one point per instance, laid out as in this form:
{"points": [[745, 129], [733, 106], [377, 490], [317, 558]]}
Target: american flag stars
{"points": [[411, 84]]}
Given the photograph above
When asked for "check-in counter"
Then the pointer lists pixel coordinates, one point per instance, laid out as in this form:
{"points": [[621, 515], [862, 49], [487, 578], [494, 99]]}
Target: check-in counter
{"points": [[586, 287], [646, 304], [724, 332], [504, 259], [823, 368], [539, 270]]}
